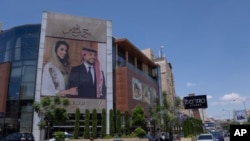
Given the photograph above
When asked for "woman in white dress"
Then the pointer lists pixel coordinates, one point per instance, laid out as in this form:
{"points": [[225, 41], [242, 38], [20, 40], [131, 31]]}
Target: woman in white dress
{"points": [[56, 72]]}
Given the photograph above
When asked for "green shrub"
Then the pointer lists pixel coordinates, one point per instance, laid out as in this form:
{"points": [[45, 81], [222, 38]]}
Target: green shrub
{"points": [[139, 132], [59, 136]]}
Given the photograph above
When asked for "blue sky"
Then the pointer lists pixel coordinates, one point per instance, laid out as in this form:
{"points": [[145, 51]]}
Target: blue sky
{"points": [[206, 41]]}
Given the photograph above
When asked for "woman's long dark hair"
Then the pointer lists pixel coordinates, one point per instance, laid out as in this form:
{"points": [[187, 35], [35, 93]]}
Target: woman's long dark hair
{"points": [[65, 60]]}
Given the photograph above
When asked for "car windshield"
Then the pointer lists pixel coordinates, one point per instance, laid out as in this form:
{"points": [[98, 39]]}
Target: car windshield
{"points": [[217, 134], [203, 137]]}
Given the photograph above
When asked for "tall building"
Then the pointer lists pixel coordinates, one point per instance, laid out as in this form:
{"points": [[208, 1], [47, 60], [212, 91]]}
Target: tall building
{"points": [[167, 77], [134, 72], [48, 59], [18, 66]]}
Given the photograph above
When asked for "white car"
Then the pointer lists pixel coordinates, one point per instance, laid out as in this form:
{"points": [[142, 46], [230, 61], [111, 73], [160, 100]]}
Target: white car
{"points": [[205, 137]]}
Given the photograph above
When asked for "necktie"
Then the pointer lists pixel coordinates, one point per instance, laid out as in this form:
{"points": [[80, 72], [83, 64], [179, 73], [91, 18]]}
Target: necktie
{"points": [[90, 75]]}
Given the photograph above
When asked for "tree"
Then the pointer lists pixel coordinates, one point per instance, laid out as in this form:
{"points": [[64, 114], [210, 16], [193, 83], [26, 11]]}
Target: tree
{"points": [[173, 118], [77, 126], [166, 113], [51, 110], [192, 127], [118, 123], [127, 123], [94, 123], [138, 116], [103, 130], [112, 122], [86, 125]]}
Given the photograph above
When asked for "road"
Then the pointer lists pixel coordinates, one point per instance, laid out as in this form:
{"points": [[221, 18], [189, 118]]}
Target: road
{"points": [[226, 139]]}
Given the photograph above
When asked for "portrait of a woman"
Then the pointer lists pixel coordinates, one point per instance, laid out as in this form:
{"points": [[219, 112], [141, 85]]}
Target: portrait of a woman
{"points": [[56, 72]]}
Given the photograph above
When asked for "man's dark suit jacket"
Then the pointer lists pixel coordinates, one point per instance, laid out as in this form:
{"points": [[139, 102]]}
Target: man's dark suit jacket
{"points": [[79, 78]]}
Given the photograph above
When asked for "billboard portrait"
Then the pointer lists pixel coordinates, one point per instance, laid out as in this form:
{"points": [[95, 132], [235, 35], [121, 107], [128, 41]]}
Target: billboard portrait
{"points": [[143, 92], [146, 95], [74, 59], [137, 89], [240, 116]]}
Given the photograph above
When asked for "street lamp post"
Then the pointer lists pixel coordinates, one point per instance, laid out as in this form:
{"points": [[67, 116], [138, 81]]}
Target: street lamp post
{"points": [[243, 101]]}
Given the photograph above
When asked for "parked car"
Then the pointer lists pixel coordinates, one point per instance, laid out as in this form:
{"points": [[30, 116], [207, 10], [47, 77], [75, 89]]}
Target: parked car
{"points": [[19, 137], [205, 137]]}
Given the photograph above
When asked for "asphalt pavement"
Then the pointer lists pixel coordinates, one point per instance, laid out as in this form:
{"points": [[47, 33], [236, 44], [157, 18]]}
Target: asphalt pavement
{"points": [[226, 139]]}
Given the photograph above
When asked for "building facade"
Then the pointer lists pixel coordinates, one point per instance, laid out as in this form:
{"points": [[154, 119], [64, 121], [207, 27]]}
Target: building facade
{"points": [[167, 77], [122, 75], [18, 61], [136, 78]]}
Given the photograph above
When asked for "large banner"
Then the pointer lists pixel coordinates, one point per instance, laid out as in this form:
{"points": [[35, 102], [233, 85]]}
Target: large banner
{"points": [[143, 92], [194, 102], [74, 60], [240, 115]]}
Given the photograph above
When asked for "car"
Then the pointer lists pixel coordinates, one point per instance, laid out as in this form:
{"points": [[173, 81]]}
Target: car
{"points": [[227, 134], [205, 137], [218, 136], [19, 137]]}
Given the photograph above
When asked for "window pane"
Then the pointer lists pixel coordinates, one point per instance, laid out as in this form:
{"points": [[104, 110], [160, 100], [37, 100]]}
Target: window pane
{"points": [[27, 90], [29, 73]]}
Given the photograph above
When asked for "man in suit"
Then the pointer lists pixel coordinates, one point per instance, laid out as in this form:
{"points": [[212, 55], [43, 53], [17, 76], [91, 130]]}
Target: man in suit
{"points": [[87, 77]]}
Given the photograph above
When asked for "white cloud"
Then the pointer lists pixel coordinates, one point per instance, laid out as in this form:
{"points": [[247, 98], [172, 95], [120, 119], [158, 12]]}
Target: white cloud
{"points": [[221, 103], [209, 96], [231, 97], [215, 103], [190, 84]]}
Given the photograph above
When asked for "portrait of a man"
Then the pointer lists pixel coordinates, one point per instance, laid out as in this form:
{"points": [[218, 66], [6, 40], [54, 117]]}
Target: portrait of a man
{"points": [[88, 76]]}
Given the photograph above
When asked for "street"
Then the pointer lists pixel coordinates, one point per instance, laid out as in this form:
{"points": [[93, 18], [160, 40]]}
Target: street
{"points": [[226, 139]]}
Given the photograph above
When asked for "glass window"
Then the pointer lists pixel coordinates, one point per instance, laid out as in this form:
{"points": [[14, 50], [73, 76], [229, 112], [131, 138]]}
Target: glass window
{"points": [[14, 89], [2, 43], [139, 64], [7, 56], [121, 53], [1, 57], [131, 59], [27, 90], [6, 41], [16, 72], [8, 53], [121, 61], [29, 62], [26, 122], [17, 53], [12, 108], [29, 53], [15, 81], [29, 73], [30, 44]]}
